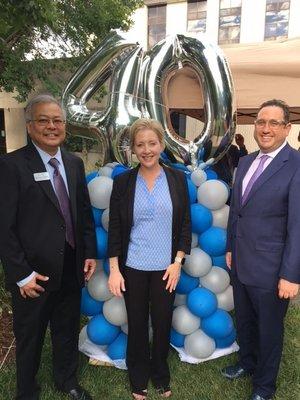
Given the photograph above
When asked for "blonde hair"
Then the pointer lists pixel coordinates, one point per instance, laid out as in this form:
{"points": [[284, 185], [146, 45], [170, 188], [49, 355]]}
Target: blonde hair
{"points": [[146, 123]]}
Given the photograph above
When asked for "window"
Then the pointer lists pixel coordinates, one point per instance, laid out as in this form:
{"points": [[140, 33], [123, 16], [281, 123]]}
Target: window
{"points": [[230, 21], [156, 24], [196, 16], [277, 19]]}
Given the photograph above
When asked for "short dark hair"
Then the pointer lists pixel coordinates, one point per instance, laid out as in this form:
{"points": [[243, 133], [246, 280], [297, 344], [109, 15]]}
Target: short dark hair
{"points": [[278, 103]]}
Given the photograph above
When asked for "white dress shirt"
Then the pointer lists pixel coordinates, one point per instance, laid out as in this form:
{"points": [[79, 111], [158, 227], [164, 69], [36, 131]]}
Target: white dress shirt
{"points": [[255, 163]]}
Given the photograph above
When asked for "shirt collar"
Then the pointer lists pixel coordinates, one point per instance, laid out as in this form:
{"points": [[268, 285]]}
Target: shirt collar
{"points": [[272, 154], [46, 157]]}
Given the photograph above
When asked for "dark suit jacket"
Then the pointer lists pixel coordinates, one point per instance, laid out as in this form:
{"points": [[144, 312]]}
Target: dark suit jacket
{"points": [[121, 213], [264, 233], [32, 230]]}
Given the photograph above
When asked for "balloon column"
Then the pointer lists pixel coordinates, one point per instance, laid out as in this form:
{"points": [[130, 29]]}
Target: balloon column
{"points": [[201, 322]]}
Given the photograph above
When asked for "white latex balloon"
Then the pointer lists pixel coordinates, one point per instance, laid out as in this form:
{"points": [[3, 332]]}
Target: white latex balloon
{"points": [[213, 194], [105, 171], [194, 240], [199, 345], [100, 190], [225, 299], [180, 299], [184, 321], [198, 263], [220, 217], [99, 265], [114, 311], [217, 280], [97, 286], [105, 219], [198, 177]]}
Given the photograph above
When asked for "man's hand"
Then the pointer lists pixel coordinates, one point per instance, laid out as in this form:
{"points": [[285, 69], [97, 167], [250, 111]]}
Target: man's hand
{"points": [[228, 258], [287, 290], [32, 288], [89, 268], [239, 140]]}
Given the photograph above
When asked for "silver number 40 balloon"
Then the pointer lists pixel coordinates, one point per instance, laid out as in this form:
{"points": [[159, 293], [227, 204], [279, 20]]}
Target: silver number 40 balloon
{"points": [[138, 85]]}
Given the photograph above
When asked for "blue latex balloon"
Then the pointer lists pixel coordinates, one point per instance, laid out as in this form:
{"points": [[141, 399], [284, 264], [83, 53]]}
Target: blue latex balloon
{"points": [[213, 241], [202, 302], [177, 339], [91, 176], [201, 218], [106, 266], [210, 174], [218, 325], [89, 306], [186, 283], [117, 349], [97, 214], [102, 332], [180, 166], [219, 261], [227, 340], [101, 236], [192, 191], [119, 169]]}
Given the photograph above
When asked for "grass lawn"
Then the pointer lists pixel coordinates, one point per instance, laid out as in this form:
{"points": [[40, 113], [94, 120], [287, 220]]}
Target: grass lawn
{"points": [[189, 382]]}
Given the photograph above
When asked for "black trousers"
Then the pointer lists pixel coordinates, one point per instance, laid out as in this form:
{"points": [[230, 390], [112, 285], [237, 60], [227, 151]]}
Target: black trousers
{"points": [[145, 290], [260, 326], [31, 316]]}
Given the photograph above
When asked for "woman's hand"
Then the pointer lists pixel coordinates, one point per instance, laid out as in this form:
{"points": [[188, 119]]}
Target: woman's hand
{"points": [[116, 283], [172, 274]]}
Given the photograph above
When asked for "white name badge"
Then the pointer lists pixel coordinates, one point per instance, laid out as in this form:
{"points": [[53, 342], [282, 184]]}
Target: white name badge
{"points": [[41, 176]]}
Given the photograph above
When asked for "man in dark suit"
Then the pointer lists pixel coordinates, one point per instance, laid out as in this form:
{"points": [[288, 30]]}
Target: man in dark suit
{"points": [[263, 247], [47, 247]]}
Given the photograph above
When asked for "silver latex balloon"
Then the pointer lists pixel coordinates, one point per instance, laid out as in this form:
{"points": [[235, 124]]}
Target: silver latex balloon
{"points": [[138, 87]]}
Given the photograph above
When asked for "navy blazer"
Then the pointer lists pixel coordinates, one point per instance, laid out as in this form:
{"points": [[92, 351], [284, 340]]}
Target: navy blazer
{"points": [[264, 232], [121, 213], [32, 229]]}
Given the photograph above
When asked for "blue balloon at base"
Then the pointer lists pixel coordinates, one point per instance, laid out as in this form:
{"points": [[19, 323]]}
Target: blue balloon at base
{"points": [[101, 236], [89, 306], [227, 340], [117, 349], [202, 302], [102, 332], [213, 241], [218, 325], [201, 218], [176, 339], [186, 283]]}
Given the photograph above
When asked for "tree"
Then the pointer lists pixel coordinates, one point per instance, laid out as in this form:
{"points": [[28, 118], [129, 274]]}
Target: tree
{"points": [[67, 30]]}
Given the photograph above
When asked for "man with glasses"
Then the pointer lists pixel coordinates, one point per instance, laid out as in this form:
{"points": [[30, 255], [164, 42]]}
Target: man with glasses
{"points": [[263, 248], [47, 247]]}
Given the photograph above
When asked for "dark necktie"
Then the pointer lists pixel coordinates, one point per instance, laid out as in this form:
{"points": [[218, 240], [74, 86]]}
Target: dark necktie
{"points": [[64, 201], [255, 176]]}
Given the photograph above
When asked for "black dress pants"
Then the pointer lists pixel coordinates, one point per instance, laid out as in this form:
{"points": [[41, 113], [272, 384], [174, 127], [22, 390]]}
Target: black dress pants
{"points": [[31, 316], [260, 326], [145, 290]]}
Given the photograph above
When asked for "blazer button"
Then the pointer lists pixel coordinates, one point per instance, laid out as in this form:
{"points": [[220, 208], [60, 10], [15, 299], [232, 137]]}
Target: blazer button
{"points": [[240, 216], [63, 226], [61, 251]]}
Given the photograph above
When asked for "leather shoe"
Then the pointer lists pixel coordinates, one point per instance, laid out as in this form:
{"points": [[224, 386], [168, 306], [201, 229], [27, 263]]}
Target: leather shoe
{"points": [[234, 372], [258, 397], [79, 393]]}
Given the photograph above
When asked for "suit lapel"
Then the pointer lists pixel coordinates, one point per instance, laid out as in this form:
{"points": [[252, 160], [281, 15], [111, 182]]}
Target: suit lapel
{"points": [[130, 195], [241, 172], [173, 194], [36, 164], [72, 182], [276, 164]]}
